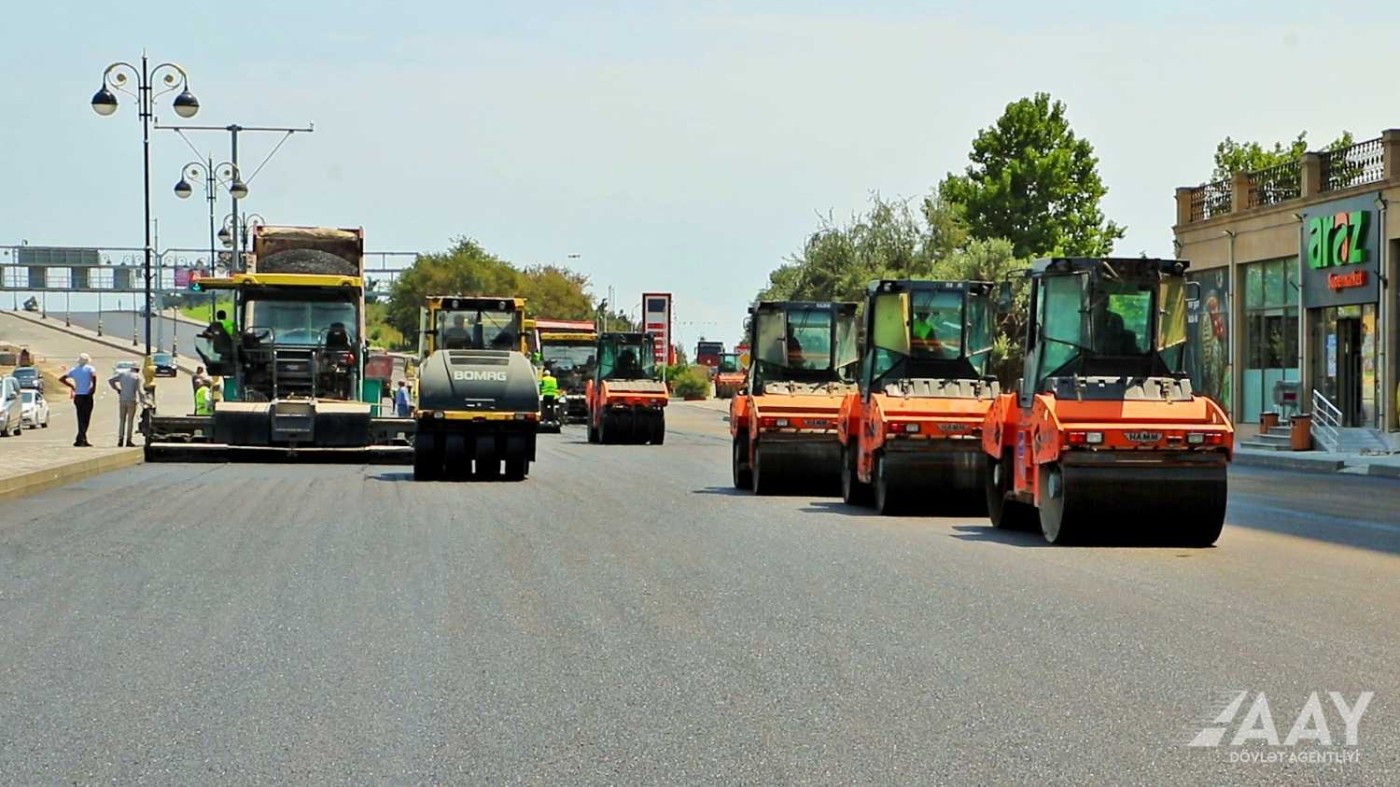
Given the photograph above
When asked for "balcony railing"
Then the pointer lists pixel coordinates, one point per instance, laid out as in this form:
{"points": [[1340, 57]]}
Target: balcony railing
{"points": [[1355, 165], [1210, 200], [1276, 184]]}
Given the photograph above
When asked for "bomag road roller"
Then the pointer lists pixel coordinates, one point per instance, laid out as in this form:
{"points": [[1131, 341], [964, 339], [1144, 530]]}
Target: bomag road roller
{"points": [[290, 361], [626, 403], [910, 431], [478, 402], [783, 419], [1105, 434]]}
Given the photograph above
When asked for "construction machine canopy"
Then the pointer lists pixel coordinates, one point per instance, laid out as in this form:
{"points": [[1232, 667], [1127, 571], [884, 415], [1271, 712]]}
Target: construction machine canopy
{"points": [[929, 329], [1121, 319], [626, 356], [284, 310], [572, 354], [804, 341], [452, 322], [729, 363]]}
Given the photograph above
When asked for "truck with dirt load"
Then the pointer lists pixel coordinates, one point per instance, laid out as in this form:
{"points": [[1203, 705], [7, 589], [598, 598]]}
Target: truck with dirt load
{"points": [[910, 431], [783, 418], [477, 399], [289, 360], [1105, 437]]}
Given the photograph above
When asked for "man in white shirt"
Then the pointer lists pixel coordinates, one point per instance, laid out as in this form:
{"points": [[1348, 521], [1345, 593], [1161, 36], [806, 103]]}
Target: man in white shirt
{"points": [[82, 382]]}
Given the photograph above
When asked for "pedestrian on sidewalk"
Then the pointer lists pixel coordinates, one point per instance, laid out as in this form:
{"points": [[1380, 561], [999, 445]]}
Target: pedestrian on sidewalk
{"points": [[82, 385], [403, 408], [130, 390]]}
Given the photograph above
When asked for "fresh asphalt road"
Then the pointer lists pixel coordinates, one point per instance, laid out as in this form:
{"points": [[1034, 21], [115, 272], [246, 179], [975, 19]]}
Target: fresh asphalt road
{"points": [[624, 617]]}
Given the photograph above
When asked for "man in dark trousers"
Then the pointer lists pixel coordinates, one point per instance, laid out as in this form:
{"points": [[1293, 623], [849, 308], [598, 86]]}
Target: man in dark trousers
{"points": [[82, 381]]}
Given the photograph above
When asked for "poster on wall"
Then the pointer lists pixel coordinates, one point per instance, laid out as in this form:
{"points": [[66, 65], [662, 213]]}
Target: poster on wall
{"points": [[1208, 345]]}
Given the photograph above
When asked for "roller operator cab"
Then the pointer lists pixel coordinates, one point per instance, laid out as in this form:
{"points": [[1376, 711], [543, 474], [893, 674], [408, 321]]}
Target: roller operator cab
{"points": [[783, 420], [1105, 434], [477, 399], [626, 403], [910, 432]]}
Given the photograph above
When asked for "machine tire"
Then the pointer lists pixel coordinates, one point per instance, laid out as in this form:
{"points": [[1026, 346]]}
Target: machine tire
{"points": [[427, 460], [762, 485], [607, 429], [457, 463], [888, 499], [1006, 514], [743, 475], [488, 467], [853, 492], [592, 430], [1057, 528], [658, 436]]}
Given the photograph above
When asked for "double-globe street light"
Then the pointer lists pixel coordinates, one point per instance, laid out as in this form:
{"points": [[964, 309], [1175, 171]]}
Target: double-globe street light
{"points": [[213, 175], [239, 224], [104, 102]]}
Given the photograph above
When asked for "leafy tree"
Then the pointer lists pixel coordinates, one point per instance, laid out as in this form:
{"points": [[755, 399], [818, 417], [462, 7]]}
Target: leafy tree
{"points": [[469, 269], [1034, 183]]}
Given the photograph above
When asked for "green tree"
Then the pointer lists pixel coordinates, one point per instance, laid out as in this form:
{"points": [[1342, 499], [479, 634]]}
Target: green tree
{"points": [[1034, 183], [556, 292]]}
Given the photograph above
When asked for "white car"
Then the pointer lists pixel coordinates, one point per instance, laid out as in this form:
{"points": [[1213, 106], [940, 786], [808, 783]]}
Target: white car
{"points": [[36, 409]]}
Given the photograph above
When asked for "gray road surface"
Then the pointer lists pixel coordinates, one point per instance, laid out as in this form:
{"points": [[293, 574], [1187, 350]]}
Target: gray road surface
{"points": [[623, 617]]}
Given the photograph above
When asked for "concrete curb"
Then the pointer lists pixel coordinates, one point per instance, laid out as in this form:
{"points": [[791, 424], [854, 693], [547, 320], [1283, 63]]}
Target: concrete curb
{"points": [[1384, 471], [37, 481], [85, 334], [1283, 461]]}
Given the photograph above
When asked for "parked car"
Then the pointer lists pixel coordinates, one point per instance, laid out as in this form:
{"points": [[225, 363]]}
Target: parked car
{"points": [[29, 378], [11, 407], [165, 364], [35, 412]]}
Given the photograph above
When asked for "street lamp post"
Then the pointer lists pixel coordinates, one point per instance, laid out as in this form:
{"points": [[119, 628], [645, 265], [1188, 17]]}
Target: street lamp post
{"points": [[213, 175], [237, 225], [104, 103], [238, 187]]}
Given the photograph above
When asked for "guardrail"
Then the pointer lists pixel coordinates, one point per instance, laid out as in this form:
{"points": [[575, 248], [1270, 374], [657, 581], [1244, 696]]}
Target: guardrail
{"points": [[1326, 422]]}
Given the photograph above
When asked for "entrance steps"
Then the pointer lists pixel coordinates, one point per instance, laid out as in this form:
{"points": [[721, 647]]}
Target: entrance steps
{"points": [[1350, 440]]}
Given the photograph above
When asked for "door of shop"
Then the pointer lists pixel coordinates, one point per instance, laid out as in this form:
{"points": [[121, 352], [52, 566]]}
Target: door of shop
{"points": [[1349, 371]]}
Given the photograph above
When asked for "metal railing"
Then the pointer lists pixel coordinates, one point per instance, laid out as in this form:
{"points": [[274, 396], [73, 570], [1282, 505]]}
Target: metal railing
{"points": [[1355, 165], [1211, 199], [1276, 184], [1326, 426]]}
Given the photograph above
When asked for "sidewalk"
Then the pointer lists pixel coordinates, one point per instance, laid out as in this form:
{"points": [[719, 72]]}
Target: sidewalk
{"points": [[40, 459], [1376, 465]]}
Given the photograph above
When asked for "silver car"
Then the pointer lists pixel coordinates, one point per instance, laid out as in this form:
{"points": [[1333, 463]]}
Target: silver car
{"points": [[11, 408]]}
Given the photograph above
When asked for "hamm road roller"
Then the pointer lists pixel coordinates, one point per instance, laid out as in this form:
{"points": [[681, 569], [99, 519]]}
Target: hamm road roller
{"points": [[783, 420], [626, 403], [1105, 434], [911, 431], [478, 403]]}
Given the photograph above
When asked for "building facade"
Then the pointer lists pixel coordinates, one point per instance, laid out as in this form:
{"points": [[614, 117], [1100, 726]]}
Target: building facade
{"points": [[1297, 268]]}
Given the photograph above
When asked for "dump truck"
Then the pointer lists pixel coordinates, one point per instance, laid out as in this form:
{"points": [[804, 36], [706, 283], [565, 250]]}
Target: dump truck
{"points": [[910, 432], [290, 361], [626, 403], [1104, 434], [784, 419], [569, 348], [477, 400]]}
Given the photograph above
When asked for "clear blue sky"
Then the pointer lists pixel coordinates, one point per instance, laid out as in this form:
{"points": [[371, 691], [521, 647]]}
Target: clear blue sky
{"points": [[675, 146]]}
